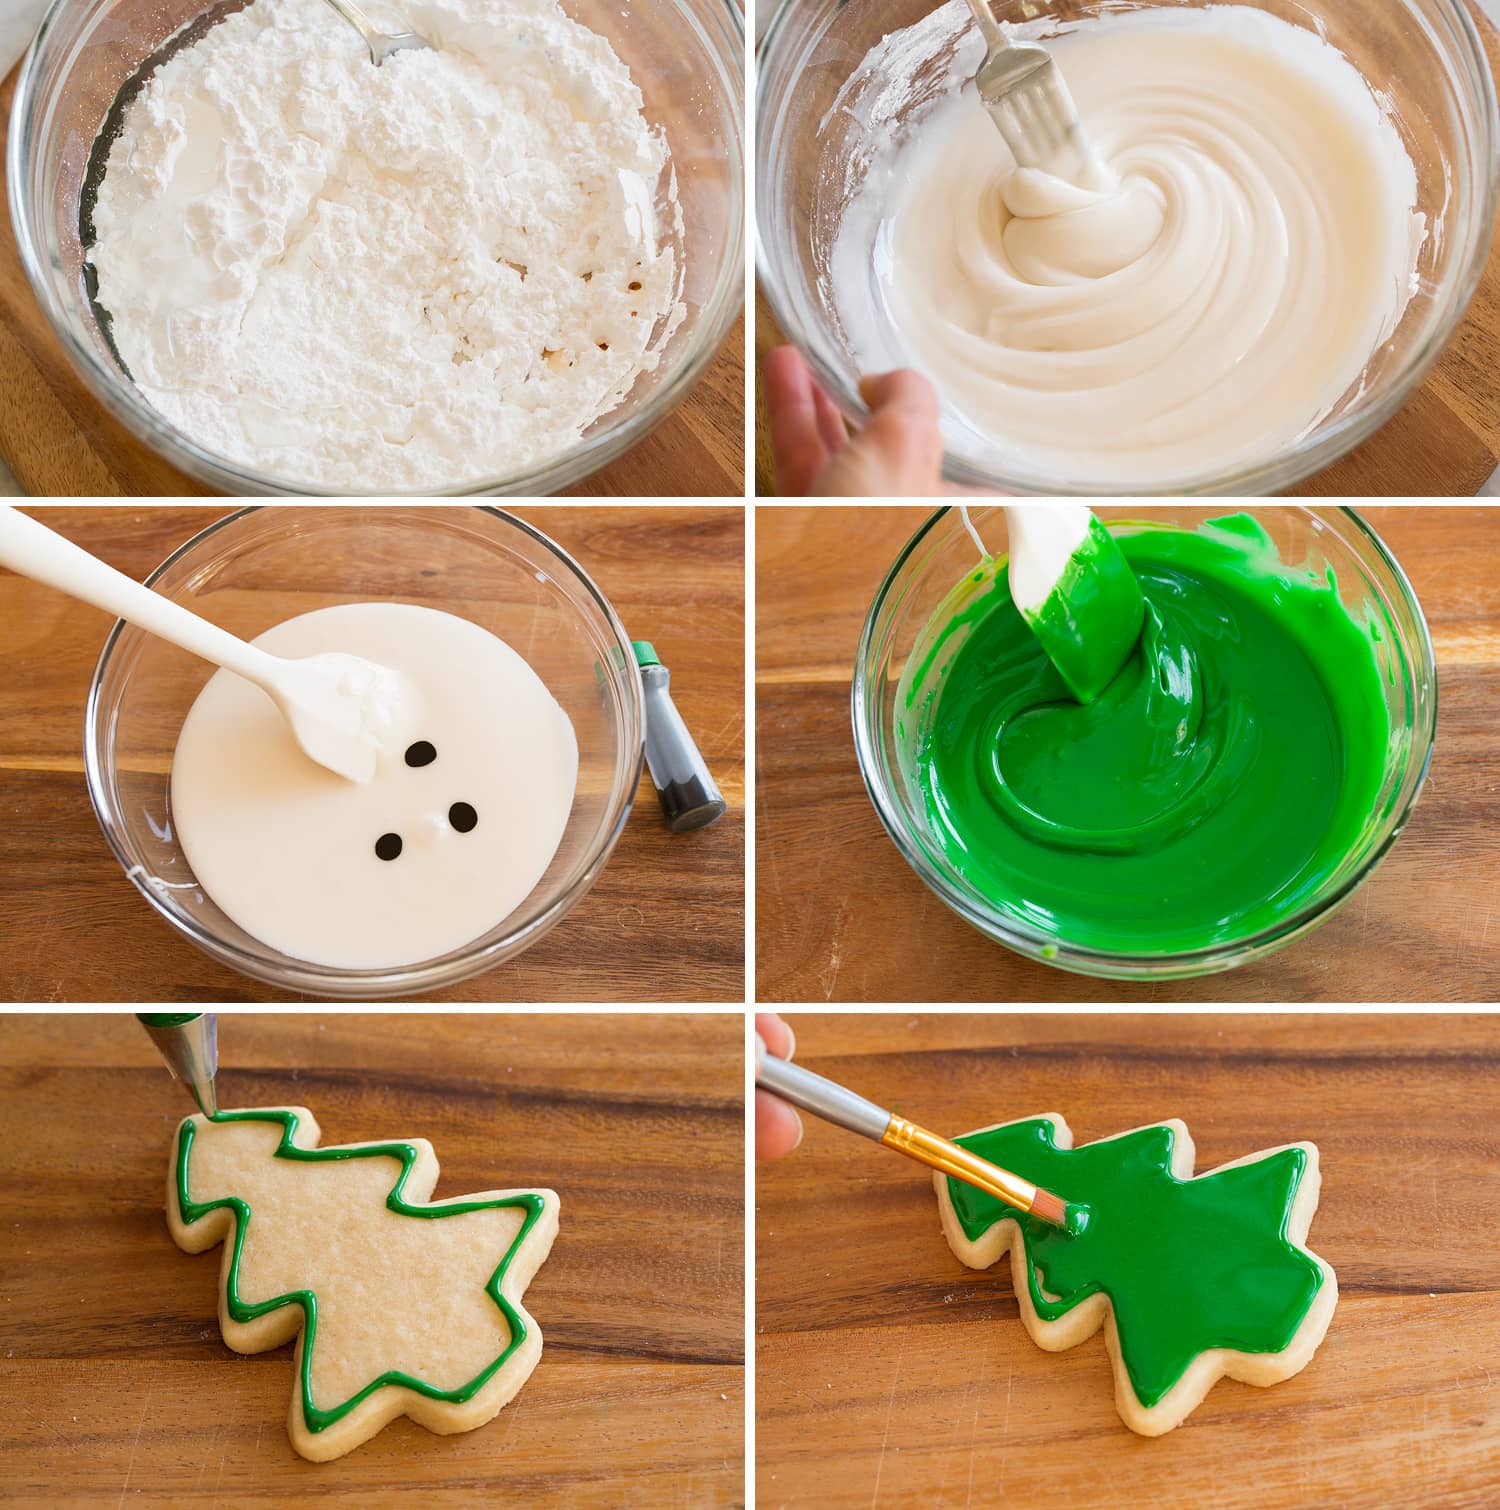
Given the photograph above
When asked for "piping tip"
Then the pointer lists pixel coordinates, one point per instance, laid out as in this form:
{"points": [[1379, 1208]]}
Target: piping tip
{"points": [[188, 1043]]}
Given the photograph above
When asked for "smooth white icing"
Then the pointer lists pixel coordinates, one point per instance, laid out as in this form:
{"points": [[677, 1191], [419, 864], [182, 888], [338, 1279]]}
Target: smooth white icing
{"points": [[287, 849], [1208, 299]]}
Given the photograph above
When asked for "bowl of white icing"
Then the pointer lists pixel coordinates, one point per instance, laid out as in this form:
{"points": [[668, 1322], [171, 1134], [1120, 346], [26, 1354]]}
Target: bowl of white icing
{"points": [[1292, 214], [507, 765], [486, 267]]}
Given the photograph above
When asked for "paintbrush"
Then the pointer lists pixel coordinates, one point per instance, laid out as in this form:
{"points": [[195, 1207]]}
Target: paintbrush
{"points": [[835, 1103]]}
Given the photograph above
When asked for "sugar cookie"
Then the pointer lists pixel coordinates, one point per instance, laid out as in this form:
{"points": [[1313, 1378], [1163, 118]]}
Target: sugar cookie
{"points": [[400, 1306], [1192, 1277]]}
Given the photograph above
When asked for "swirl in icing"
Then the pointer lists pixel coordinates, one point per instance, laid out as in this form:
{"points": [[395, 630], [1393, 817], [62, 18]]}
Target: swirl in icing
{"points": [[1208, 298], [1222, 782]]}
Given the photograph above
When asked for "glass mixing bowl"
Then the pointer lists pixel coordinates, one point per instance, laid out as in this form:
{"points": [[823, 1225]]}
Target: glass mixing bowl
{"points": [[1371, 586], [686, 56], [260, 566], [1424, 56]]}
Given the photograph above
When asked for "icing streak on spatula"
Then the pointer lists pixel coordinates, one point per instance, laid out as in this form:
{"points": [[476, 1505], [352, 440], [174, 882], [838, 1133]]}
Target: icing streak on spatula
{"points": [[1076, 590]]}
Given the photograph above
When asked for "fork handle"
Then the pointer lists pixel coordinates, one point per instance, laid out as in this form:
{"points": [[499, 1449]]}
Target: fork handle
{"points": [[367, 29], [987, 23]]}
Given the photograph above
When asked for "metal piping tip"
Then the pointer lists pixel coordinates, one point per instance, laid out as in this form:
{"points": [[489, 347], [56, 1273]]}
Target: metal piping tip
{"points": [[189, 1044]]}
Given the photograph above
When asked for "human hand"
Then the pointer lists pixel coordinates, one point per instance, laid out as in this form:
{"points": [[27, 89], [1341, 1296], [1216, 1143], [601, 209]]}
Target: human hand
{"points": [[778, 1128], [898, 454]]}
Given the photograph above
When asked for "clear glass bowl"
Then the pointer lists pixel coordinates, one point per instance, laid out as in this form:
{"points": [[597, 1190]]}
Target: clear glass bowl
{"points": [[686, 56], [1371, 586], [1424, 56], [260, 566]]}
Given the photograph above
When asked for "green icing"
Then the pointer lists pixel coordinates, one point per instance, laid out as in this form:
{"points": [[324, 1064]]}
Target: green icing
{"points": [[1188, 1265], [319, 1418], [1211, 790]]}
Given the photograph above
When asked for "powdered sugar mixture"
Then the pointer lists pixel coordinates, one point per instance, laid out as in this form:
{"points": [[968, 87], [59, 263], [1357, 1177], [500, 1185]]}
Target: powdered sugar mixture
{"points": [[405, 277]]}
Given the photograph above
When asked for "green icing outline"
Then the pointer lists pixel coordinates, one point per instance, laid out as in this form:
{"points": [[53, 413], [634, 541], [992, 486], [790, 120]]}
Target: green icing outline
{"points": [[316, 1419]]}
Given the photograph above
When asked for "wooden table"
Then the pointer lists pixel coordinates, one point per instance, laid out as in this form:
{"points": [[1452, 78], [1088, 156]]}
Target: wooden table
{"points": [[60, 441], [119, 1389], [664, 923], [887, 1374], [1443, 442], [841, 917]]}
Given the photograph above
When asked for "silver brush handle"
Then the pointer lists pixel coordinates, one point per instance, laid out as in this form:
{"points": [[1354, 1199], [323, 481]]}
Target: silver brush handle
{"points": [[813, 1093]]}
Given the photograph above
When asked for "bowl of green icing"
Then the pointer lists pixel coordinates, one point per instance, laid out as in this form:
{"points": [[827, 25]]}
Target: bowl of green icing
{"points": [[1259, 753]]}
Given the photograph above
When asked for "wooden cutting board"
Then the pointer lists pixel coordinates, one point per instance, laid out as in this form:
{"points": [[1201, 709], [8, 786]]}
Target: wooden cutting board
{"points": [[889, 1375], [119, 1390], [1443, 443], [60, 442], [840, 915], [665, 922]]}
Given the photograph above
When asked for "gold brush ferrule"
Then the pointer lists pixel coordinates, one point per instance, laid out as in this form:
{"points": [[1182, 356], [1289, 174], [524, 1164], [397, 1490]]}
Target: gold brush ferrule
{"points": [[928, 1148]]}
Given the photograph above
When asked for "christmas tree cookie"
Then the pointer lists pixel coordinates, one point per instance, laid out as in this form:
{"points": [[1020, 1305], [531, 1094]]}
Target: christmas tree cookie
{"points": [[1192, 1277], [403, 1306]]}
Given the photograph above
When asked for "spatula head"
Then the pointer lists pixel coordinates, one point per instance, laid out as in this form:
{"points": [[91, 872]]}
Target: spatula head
{"points": [[339, 707], [1091, 620]]}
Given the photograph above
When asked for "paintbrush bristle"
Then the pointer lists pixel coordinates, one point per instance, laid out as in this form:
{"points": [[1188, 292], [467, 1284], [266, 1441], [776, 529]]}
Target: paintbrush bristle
{"points": [[1047, 1206]]}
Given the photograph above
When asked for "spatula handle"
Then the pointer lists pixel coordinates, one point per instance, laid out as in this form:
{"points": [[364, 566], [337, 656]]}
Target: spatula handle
{"points": [[45, 556]]}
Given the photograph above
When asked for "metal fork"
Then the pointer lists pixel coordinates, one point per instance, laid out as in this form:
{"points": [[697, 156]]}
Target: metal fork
{"points": [[381, 43], [1029, 102]]}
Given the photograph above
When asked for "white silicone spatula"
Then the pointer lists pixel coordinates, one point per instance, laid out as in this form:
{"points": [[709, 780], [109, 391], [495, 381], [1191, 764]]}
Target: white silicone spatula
{"points": [[335, 704], [1076, 590]]}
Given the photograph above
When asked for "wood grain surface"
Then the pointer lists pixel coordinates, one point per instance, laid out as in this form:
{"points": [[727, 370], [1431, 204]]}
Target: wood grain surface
{"points": [[888, 1374], [60, 441], [1443, 442], [841, 917], [665, 922], [119, 1389]]}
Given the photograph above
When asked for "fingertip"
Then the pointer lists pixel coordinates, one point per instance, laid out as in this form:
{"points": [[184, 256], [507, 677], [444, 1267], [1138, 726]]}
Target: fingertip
{"points": [[901, 389], [798, 452], [831, 426], [786, 368], [778, 1128], [903, 432], [778, 1036]]}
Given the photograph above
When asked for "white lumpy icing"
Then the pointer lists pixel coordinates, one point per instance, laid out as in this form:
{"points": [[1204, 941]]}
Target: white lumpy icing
{"points": [[1213, 302], [408, 277]]}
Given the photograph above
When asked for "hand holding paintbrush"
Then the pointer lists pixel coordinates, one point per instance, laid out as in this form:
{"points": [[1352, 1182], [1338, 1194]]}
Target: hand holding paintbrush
{"points": [[834, 1103]]}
